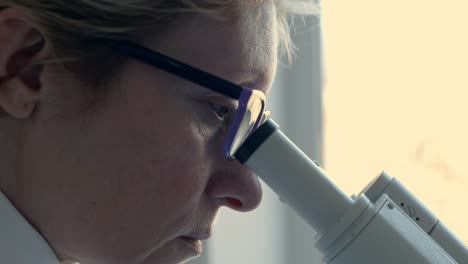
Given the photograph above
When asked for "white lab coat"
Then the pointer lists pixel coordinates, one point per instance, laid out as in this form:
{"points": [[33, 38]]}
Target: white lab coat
{"points": [[20, 243]]}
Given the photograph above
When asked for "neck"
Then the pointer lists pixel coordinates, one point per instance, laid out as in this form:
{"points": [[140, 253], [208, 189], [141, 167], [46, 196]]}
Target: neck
{"points": [[10, 138]]}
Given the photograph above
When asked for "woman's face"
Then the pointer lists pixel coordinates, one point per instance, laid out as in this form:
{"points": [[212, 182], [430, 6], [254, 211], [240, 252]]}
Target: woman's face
{"points": [[125, 182]]}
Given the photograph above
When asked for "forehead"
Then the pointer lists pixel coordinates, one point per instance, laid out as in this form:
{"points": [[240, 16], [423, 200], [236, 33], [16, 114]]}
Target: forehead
{"points": [[241, 49]]}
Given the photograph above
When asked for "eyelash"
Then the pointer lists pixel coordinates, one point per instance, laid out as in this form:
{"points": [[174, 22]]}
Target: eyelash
{"points": [[223, 113]]}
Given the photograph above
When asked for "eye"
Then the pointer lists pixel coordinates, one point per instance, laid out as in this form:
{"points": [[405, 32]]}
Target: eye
{"points": [[222, 112]]}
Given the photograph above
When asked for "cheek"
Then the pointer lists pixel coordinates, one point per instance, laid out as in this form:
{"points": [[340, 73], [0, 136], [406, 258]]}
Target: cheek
{"points": [[146, 183], [163, 166]]}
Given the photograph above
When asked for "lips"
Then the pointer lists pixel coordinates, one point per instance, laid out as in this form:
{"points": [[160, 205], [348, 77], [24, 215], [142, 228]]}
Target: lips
{"points": [[199, 236], [194, 240]]}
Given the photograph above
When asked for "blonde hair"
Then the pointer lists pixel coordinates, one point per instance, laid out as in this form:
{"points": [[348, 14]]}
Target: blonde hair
{"points": [[72, 25]]}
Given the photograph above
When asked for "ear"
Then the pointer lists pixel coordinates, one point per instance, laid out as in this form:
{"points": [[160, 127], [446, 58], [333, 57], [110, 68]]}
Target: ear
{"points": [[21, 43]]}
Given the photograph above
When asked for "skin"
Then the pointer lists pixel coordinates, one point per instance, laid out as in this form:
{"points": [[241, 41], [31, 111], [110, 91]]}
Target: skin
{"points": [[123, 183]]}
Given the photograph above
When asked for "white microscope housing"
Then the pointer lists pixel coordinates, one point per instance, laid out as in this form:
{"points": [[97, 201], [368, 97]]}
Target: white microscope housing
{"points": [[384, 224]]}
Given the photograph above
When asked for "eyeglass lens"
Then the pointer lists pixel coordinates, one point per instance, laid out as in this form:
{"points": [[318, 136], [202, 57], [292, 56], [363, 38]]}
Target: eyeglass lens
{"points": [[252, 114]]}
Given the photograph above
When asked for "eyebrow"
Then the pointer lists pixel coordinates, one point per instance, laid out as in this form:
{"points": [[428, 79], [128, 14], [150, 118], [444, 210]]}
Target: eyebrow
{"points": [[252, 79]]}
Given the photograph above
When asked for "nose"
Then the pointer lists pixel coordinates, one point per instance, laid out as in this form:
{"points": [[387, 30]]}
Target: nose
{"points": [[235, 186]]}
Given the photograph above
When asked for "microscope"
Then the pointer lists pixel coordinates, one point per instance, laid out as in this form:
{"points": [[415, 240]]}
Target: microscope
{"points": [[385, 223]]}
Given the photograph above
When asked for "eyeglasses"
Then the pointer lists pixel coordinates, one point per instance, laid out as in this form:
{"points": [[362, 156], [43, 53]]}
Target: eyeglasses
{"points": [[249, 114]]}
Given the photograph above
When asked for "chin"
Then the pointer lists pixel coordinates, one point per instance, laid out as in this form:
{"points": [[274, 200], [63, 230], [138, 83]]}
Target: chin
{"points": [[175, 251]]}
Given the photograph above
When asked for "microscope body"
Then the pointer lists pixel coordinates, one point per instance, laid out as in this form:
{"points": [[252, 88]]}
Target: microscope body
{"points": [[384, 224], [379, 232]]}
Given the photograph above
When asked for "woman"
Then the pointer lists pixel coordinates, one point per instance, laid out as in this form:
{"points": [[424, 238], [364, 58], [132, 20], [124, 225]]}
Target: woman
{"points": [[108, 158]]}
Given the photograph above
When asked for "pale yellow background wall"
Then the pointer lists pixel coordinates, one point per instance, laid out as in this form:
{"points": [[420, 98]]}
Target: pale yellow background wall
{"points": [[396, 99]]}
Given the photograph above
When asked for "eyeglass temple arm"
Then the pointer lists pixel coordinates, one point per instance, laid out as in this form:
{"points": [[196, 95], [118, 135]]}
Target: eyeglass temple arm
{"points": [[176, 67]]}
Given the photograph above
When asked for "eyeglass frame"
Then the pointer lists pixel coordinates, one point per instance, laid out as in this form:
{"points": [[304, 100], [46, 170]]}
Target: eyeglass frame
{"points": [[170, 65]]}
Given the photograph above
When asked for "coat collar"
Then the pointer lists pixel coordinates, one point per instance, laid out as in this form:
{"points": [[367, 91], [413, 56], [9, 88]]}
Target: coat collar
{"points": [[20, 243]]}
